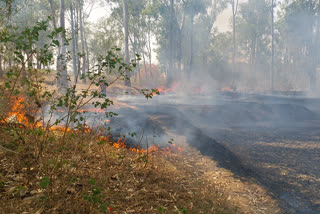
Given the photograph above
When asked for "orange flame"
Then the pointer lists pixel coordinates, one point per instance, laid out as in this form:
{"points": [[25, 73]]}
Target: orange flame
{"points": [[120, 144], [59, 128], [173, 88], [226, 89], [93, 110], [18, 110], [21, 116]]}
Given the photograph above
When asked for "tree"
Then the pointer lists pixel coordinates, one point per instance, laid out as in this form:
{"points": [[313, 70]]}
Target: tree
{"points": [[234, 4], [126, 39], [53, 16], [63, 75], [272, 45], [83, 44], [74, 41], [297, 31], [253, 26]]}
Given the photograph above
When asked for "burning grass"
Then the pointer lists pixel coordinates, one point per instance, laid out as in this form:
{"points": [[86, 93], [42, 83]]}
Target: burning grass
{"points": [[153, 149], [127, 180], [90, 174]]}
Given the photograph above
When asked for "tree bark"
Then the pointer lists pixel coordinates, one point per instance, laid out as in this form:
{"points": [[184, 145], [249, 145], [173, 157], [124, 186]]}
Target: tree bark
{"points": [[59, 48], [87, 49], [150, 49], [234, 13], [272, 45], [191, 43], [170, 72], [74, 59], [83, 53], [63, 67], [38, 61], [144, 66], [126, 40], [1, 69], [76, 25], [180, 43], [315, 53]]}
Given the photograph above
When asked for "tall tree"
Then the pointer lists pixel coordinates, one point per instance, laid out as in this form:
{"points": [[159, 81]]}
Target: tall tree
{"points": [[253, 34], [126, 39], [63, 75], [272, 45], [73, 32], [171, 71], [83, 54], [234, 4], [53, 16]]}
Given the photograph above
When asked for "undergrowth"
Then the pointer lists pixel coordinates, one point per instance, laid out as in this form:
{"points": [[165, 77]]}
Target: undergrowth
{"points": [[85, 177]]}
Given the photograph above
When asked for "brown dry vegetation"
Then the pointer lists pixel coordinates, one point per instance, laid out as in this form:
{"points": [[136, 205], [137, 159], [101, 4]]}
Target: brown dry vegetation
{"points": [[169, 182], [58, 180], [127, 185]]}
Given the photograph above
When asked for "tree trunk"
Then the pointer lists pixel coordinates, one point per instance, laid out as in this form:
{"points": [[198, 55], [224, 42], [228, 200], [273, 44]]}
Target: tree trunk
{"points": [[63, 66], [59, 48], [83, 53], [272, 45], [180, 44], [38, 61], [150, 50], [87, 50], [10, 63], [144, 66], [74, 59], [126, 40], [315, 54], [191, 43], [234, 13], [134, 47], [76, 25], [170, 71], [1, 69]]}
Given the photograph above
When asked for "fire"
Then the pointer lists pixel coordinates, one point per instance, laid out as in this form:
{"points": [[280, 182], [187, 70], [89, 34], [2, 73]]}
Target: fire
{"points": [[59, 128], [120, 144], [93, 110], [226, 89], [173, 88], [18, 112]]}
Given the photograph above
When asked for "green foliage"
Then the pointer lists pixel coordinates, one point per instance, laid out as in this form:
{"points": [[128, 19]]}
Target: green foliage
{"points": [[253, 25], [45, 182], [96, 197], [184, 211]]}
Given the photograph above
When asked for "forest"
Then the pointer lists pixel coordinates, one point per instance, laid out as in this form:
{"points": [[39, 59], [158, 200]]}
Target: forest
{"points": [[270, 45], [134, 106]]}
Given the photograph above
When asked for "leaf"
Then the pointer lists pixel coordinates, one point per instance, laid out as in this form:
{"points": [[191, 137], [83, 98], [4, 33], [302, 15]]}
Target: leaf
{"points": [[44, 182]]}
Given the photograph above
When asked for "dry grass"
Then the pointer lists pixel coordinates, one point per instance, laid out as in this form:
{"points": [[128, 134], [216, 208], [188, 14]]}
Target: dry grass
{"points": [[165, 185], [58, 180]]}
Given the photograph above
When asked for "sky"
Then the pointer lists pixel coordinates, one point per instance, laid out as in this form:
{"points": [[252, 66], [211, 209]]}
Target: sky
{"points": [[223, 22]]}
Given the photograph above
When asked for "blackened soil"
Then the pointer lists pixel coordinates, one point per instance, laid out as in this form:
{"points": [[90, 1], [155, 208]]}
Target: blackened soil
{"points": [[275, 140]]}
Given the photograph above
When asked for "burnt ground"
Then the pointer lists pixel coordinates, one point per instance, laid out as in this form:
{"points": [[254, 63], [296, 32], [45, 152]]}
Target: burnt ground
{"points": [[274, 140]]}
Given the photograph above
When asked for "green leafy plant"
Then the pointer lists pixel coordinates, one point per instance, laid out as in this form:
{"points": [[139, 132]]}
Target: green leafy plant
{"points": [[96, 197]]}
